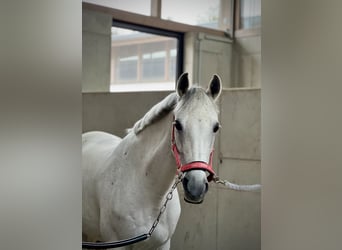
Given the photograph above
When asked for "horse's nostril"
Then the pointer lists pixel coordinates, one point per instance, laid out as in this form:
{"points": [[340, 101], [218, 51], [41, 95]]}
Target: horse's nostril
{"points": [[206, 187], [185, 181]]}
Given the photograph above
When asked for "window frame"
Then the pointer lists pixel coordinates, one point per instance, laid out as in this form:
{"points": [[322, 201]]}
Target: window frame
{"points": [[154, 20], [151, 21]]}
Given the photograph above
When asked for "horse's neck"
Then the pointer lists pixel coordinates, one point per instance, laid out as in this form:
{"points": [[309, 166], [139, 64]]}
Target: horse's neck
{"points": [[156, 166]]}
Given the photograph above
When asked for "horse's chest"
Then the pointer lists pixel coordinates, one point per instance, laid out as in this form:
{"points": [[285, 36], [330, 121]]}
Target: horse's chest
{"points": [[130, 220]]}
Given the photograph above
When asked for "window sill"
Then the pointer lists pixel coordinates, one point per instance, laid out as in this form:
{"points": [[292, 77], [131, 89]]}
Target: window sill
{"points": [[142, 87], [247, 32]]}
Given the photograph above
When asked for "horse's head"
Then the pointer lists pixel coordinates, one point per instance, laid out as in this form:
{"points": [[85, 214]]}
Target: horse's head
{"points": [[195, 125]]}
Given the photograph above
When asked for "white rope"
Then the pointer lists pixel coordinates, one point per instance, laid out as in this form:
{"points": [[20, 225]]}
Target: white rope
{"points": [[233, 186], [254, 187]]}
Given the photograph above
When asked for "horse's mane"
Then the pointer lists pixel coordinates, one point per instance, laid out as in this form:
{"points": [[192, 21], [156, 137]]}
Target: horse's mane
{"points": [[157, 112]]}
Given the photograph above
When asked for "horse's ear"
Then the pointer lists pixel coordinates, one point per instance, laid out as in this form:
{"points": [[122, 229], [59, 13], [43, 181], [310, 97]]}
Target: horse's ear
{"points": [[182, 84], [215, 87]]}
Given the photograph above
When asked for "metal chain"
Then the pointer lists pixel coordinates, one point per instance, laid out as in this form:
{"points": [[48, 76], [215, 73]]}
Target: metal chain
{"points": [[163, 208], [217, 179]]}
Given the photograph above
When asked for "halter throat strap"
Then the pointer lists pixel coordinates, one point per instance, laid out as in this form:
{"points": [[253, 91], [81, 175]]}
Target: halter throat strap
{"points": [[200, 165]]}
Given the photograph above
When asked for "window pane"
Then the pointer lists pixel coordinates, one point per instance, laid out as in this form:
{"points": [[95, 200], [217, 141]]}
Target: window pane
{"points": [[127, 69], [142, 7], [197, 12], [142, 61], [250, 14], [153, 66]]}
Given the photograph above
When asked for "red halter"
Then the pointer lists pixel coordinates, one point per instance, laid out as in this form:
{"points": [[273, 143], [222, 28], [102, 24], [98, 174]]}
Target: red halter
{"points": [[192, 165]]}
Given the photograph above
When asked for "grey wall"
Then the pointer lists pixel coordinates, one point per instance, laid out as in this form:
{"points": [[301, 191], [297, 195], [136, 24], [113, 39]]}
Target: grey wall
{"points": [[206, 55], [227, 219], [238, 63], [96, 47], [247, 62], [115, 112], [239, 150]]}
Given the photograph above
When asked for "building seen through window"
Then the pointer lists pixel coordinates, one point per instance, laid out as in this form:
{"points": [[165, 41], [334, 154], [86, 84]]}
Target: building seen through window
{"points": [[142, 61]]}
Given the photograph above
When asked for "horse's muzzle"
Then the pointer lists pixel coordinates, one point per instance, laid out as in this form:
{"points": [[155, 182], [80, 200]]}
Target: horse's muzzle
{"points": [[194, 188]]}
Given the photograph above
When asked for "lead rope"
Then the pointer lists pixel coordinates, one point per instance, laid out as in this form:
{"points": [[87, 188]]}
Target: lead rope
{"points": [[233, 186], [121, 243]]}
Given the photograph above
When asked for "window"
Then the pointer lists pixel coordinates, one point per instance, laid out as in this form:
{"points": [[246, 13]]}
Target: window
{"points": [[194, 12], [250, 14], [144, 59], [144, 56], [127, 68]]}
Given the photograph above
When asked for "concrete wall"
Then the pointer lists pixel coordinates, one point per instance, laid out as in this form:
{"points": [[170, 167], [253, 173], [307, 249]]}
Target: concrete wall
{"points": [[239, 212], [238, 63], [115, 112], [96, 47], [247, 62], [226, 219]]}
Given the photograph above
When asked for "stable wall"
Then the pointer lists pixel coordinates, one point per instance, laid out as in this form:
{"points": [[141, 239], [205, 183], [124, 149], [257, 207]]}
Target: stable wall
{"points": [[96, 47], [115, 112], [226, 219], [247, 61]]}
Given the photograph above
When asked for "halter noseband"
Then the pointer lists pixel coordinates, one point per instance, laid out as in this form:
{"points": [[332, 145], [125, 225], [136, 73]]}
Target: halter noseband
{"points": [[192, 165]]}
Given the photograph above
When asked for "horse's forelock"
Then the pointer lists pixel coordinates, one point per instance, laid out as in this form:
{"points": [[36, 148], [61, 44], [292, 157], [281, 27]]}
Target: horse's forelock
{"points": [[194, 97]]}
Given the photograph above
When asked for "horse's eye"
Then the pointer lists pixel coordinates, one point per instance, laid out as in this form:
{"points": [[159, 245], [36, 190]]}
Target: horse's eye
{"points": [[178, 125], [216, 127]]}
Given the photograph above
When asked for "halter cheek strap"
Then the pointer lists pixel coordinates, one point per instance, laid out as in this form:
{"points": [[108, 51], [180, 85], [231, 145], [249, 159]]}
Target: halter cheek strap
{"points": [[192, 165]]}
